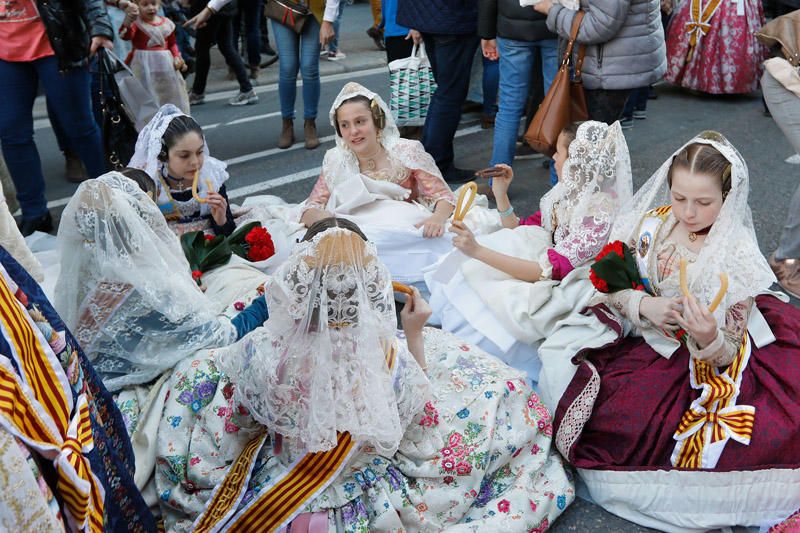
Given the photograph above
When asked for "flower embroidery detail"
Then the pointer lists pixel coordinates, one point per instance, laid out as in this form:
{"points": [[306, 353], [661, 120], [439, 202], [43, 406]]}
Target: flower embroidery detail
{"points": [[503, 506], [510, 386], [239, 306], [463, 468]]}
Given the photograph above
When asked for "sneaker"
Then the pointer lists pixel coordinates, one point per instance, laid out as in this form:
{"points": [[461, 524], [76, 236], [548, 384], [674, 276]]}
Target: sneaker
{"points": [[244, 98], [640, 114], [196, 99], [788, 273], [524, 151], [336, 56], [626, 123], [323, 53]]}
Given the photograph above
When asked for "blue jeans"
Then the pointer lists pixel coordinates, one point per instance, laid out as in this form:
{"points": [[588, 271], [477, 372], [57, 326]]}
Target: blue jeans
{"points": [[298, 52], [491, 85], [451, 60], [333, 46], [69, 96], [516, 64]]}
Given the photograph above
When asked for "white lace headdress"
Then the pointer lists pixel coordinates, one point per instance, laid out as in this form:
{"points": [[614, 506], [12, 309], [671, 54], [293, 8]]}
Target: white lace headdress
{"points": [[125, 288], [731, 245], [341, 163], [317, 366], [149, 145], [595, 182]]}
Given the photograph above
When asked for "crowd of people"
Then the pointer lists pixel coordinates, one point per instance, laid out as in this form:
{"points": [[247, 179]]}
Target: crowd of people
{"points": [[399, 355]]}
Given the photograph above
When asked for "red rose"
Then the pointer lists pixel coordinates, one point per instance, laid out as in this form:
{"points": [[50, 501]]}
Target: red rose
{"points": [[196, 275], [260, 252]]}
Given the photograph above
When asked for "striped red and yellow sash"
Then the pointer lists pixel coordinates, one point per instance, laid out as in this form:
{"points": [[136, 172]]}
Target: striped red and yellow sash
{"points": [[35, 405], [280, 503], [714, 417]]}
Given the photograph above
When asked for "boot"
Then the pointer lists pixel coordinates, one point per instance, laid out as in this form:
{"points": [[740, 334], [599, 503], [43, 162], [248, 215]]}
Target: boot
{"points": [[75, 171], [310, 132], [287, 134]]}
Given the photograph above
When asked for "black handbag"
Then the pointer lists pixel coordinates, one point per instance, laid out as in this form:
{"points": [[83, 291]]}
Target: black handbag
{"points": [[119, 131], [293, 15]]}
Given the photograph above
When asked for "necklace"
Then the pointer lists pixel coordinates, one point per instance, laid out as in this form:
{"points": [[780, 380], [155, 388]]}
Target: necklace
{"points": [[693, 234], [369, 162]]}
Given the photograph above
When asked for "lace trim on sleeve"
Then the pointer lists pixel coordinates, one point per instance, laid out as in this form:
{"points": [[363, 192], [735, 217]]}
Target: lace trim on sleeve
{"points": [[319, 196]]}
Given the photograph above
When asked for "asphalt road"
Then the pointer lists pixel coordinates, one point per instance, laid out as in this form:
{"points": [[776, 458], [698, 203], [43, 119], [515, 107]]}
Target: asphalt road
{"points": [[245, 137]]}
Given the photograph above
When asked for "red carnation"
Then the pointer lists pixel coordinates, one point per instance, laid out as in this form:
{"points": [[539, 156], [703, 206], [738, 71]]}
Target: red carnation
{"points": [[598, 282], [615, 247], [258, 235], [260, 244], [208, 237], [196, 275]]}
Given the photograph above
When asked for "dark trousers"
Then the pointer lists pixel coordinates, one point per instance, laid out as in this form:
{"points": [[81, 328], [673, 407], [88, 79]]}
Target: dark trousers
{"points": [[252, 13], [606, 105], [451, 60], [220, 30], [398, 47], [68, 94]]}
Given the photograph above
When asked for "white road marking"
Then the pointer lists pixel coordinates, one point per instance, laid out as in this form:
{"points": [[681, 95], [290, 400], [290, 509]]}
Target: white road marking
{"points": [[247, 190]]}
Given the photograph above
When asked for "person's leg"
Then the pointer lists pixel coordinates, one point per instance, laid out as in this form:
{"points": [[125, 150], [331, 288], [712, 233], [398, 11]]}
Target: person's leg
{"points": [[18, 83], [375, 6], [550, 60], [516, 62], [288, 45], [785, 108], [333, 46], [253, 10], [491, 81], [58, 128], [204, 39], [309, 68], [71, 100], [231, 55], [398, 48], [451, 59], [606, 105]]}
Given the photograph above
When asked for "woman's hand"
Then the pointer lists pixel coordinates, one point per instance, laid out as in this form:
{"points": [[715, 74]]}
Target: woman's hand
{"points": [[698, 322], [314, 215], [98, 42], [489, 49], [543, 7], [464, 239], [219, 207], [414, 315], [415, 36], [433, 226], [326, 33], [199, 20], [501, 181], [664, 313]]}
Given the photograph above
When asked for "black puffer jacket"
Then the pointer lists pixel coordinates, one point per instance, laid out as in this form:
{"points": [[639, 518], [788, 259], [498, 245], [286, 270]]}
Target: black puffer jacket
{"points": [[70, 26], [507, 19]]}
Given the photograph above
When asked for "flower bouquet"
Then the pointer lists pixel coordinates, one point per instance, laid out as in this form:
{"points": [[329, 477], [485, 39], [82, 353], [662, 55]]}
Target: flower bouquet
{"points": [[252, 242], [615, 269], [204, 252]]}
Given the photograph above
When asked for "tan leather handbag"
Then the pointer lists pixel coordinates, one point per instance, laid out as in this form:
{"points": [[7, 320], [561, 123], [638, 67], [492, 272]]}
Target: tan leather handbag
{"points": [[564, 102]]}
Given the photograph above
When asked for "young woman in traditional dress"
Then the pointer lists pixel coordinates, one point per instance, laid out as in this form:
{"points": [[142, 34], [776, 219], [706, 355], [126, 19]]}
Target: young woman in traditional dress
{"points": [[687, 418], [126, 290], [712, 46], [522, 280], [374, 430], [389, 186]]}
